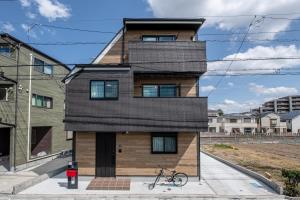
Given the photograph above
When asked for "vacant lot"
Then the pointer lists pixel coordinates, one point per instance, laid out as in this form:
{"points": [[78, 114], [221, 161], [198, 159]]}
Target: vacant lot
{"points": [[261, 158]]}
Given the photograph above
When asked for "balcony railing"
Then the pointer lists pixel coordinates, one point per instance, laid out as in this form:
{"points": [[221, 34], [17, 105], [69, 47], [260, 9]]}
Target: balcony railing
{"points": [[139, 114], [180, 56]]}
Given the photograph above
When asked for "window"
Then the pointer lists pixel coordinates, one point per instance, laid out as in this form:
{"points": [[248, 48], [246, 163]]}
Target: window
{"points": [[104, 89], [247, 120], [247, 130], [158, 38], [210, 120], [232, 120], [6, 92], [150, 91], [167, 90], [273, 122], [41, 101], [6, 50], [42, 67], [164, 143], [69, 135], [160, 90]]}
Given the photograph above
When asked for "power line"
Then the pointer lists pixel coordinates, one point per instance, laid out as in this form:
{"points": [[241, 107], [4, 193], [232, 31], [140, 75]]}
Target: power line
{"points": [[235, 56]]}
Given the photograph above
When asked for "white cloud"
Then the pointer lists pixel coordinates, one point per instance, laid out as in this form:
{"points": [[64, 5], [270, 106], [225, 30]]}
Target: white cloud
{"points": [[272, 91], [31, 15], [50, 9], [7, 27], [258, 66], [25, 3], [231, 84], [207, 88], [231, 106], [199, 8]]}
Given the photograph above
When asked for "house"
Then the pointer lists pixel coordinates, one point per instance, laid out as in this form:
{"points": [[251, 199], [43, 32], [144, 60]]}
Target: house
{"points": [[214, 124], [238, 123], [136, 107], [31, 105], [270, 123], [292, 120], [281, 105]]}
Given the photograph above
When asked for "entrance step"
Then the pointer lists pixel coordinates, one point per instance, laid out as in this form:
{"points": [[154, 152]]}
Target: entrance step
{"points": [[101, 183]]}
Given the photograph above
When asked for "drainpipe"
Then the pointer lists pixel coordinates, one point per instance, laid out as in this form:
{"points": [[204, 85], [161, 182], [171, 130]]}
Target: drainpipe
{"points": [[198, 156], [29, 108], [16, 109]]}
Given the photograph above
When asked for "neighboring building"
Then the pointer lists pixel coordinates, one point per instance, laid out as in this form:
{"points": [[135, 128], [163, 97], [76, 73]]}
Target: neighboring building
{"points": [[238, 123], [31, 104], [280, 105], [214, 124], [292, 120], [270, 123], [137, 107]]}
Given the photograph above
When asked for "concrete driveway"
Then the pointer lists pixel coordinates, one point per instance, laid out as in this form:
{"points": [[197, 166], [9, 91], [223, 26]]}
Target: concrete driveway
{"points": [[224, 180], [218, 179]]}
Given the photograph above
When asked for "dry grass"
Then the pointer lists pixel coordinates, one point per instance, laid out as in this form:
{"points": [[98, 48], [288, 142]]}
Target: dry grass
{"points": [[262, 158]]}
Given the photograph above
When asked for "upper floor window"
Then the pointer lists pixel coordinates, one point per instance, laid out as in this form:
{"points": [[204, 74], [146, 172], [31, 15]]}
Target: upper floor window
{"points": [[42, 67], [6, 92], [104, 89], [6, 50], [158, 38], [168, 90], [41, 101], [247, 120], [232, 120]]}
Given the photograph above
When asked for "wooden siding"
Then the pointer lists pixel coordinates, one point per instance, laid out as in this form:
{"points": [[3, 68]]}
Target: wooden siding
{"points": [[86, 152], [136, 158]]}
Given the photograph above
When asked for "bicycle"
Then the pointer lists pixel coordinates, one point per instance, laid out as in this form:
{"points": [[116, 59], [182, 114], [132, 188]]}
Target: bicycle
{"points": [[178, 179]]}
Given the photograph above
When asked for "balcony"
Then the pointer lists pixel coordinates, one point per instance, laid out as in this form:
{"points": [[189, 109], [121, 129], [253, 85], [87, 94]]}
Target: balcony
{"points": [[180, 56], [7, 110], [139, 114]]}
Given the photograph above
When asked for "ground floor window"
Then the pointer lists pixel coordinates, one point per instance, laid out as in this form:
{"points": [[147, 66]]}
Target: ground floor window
{"points": [[41, 140], [247, 130], [164, 143], [212, 129]]}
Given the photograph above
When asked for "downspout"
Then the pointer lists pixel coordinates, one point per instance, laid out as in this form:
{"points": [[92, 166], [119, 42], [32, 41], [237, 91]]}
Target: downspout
{"points": [[29, 108], [123, 45], [198, 156], [16, 109]]}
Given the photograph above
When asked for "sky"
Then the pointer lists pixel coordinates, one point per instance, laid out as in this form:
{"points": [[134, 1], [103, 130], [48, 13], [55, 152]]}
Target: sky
{"points": [[233, 30]]}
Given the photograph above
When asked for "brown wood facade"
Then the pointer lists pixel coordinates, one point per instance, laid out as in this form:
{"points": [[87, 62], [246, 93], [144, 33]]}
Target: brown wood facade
{"points": [[134, 157]]}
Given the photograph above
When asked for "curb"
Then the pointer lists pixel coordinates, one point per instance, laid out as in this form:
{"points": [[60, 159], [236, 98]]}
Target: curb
{"points": [[276, 187], [22, 186]]}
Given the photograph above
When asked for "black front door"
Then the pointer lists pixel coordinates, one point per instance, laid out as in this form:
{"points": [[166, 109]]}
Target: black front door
{"points": [[105, 154]]}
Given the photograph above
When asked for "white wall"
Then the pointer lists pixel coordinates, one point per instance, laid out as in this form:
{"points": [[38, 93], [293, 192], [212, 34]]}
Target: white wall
{"points": [[296, 124]]}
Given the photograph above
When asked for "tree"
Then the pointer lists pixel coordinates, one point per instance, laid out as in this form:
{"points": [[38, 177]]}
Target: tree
{"points": [[220, 112]]}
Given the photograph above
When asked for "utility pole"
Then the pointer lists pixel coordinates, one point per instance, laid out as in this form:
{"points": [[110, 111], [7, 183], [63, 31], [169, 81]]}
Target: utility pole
{"points": [[16, 105]]}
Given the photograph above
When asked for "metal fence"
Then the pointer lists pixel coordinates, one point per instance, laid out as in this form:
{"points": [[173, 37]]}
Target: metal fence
{"points": [[258, 138]]}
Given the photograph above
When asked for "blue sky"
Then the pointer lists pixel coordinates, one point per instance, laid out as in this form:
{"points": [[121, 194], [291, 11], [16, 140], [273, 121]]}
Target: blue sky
{"points": [[233, 94]]}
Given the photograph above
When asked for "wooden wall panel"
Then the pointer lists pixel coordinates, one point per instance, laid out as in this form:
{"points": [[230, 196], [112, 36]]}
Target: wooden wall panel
{"points": [[86, 152], [136, 158]]}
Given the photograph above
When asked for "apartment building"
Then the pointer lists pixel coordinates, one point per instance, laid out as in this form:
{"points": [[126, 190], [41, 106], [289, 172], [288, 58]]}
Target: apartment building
{"points": [[136, 106], [31, 105], [280, 105]]}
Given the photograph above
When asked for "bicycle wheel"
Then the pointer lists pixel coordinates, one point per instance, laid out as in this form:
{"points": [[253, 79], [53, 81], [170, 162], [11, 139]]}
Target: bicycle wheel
{"points": [[180, 179]]}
